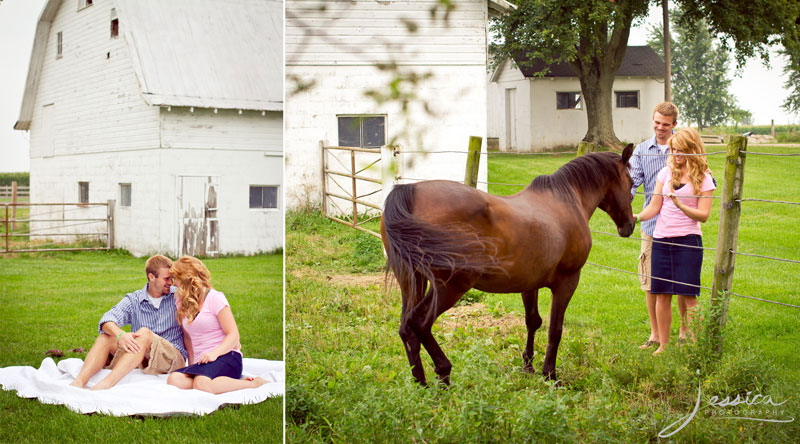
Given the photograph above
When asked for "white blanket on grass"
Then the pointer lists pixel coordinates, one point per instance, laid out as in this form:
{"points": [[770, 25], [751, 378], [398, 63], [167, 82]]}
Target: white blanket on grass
{"points": [[136, 393]]}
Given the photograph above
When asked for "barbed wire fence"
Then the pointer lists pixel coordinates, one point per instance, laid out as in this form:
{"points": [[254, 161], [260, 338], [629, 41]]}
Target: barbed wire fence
{"points": [[731, 200]]}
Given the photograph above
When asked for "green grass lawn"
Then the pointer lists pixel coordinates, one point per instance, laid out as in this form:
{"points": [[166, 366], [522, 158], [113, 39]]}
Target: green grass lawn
{"points": [[55, 301], [348, 379]]}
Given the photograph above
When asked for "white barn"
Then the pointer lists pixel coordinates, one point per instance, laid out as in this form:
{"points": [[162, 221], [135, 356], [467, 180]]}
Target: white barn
{"points": [[335, 50], [173, 109], [531, 114]]}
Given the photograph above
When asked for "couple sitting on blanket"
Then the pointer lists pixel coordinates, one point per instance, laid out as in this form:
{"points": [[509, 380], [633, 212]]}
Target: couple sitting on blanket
{"points": [[157, 344]]}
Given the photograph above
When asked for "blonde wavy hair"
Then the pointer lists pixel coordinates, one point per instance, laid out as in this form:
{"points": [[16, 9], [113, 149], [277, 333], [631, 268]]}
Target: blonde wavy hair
{"points": [[194, 281], [688, 140]]}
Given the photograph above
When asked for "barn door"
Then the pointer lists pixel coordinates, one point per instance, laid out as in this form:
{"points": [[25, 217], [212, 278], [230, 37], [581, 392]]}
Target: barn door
{"points": [[198, 231], [511, 119]]}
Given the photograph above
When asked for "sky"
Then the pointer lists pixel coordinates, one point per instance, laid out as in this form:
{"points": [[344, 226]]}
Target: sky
{"points": [[758, 89]]}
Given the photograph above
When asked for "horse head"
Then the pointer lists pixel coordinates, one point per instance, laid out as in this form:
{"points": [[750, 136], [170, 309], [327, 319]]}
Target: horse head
{"points": [[617, 200]]}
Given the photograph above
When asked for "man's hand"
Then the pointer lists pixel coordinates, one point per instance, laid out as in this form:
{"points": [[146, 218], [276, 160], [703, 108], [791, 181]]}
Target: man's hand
{"points": [[208, 357], [128, 343]]}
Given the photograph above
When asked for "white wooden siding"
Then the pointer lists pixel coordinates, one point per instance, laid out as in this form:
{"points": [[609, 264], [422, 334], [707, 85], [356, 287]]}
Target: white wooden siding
{"points": [[368, 31], [93, 88], [226, 130]]}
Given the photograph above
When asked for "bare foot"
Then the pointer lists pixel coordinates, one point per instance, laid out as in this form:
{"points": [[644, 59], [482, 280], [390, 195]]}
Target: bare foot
{"points": [[660, 350], [77, 383], [258, 381], [101, 386]]}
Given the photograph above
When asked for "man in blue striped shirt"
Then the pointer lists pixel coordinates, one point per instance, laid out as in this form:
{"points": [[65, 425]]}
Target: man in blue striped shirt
{"points": [[647, 160], [155, 342]]}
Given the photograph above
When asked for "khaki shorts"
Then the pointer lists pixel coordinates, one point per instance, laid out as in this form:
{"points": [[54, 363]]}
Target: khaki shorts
{"points": [[162, 358], [644, 261]]}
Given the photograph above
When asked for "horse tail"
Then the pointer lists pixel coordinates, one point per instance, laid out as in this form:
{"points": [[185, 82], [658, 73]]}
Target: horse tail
{"points": [[419, 252]]}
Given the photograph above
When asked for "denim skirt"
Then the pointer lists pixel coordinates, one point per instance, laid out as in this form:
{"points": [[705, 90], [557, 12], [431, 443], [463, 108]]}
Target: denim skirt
{"points": [[229, 364], [676, 262]]}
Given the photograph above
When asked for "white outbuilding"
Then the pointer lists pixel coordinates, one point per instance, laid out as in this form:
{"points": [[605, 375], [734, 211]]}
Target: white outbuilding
{"points": [[531, 113], [367, 73], [173, 109]]}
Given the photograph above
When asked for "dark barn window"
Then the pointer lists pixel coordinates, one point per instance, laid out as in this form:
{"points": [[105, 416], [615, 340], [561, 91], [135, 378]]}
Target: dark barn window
{"points": [[627, 99], [568, 100], [263, 196], [362, 131]]}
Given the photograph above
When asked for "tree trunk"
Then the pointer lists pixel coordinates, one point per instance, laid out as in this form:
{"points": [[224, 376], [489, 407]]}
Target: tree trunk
{"points": [[596, 87]]}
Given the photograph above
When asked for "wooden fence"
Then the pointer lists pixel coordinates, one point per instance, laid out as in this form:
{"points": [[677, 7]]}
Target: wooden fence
{"points": [[7, 191]]}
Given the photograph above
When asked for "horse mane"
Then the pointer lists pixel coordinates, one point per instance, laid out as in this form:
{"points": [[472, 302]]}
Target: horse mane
{"points": [[590, 171]]}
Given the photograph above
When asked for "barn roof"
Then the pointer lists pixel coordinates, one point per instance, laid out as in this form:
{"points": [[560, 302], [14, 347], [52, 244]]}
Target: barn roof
{"points": [[225, 54], [639, 61]]}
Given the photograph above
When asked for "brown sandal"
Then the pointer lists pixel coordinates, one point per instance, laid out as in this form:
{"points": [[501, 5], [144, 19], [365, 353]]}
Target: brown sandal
{"points": [[648, 344]]}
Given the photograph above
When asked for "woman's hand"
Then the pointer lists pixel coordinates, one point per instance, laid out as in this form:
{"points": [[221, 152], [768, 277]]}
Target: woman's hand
{"points": [[208, 357]]}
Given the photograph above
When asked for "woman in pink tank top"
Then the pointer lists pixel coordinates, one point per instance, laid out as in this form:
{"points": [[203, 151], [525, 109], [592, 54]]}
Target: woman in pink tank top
{"points": [[209, 333], [677, 256]]}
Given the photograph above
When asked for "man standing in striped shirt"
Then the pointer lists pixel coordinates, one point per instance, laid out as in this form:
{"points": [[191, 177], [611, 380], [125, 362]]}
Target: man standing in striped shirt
{"points": [[647, 160], [155, 342]]}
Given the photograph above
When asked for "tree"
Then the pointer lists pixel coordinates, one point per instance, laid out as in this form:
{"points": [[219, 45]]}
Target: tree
{"points": [[741, 116], [593, 36], [792, 84], [699, 74]]}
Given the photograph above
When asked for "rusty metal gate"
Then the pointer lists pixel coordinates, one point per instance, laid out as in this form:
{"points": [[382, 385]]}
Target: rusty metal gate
{"points": [[198, 224], [31, 227], [342, 179]]}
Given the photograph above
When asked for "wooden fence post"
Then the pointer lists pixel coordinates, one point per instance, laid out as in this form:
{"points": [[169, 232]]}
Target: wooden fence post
{"points": [[388, 171], [110, 217], [13, 205], [473, 161], [727, 238], [585, 148], [324, 179]]}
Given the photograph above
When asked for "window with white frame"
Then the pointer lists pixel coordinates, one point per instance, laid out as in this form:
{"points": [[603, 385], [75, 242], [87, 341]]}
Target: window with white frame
{"points": [[124, 194], [568, 100], [627, 99], [263, 196], [362, 131], [59, 44], [83, 192]]}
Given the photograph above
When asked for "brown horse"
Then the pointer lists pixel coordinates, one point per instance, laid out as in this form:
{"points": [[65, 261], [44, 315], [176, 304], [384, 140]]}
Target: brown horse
{"points": [[456, 238]]}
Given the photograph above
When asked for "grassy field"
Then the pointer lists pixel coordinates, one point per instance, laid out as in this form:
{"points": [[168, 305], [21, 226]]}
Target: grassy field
{"points": [[55, 301], [348, 379]]}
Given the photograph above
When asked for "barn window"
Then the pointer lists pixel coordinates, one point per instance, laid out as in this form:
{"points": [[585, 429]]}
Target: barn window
{"points": [[263, 196], [124, 194], [568, 100], [362, 131], [83, 192], [114, 24], [60, 44], [627, 99], [83, 4]]}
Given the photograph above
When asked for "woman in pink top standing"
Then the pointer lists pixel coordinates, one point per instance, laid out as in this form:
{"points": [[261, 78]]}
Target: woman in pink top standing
{"points": [[677, 241], [209, 333]]}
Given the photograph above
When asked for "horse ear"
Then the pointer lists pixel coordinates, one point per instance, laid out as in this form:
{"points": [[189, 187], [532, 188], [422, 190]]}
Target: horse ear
{"points": [[626, 154]]}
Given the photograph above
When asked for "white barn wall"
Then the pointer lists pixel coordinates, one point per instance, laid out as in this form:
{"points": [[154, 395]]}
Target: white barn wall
{"points": [[341, 66], [635, 124], [511, 77], [105, 134], [92, 86], [240, 150]]}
